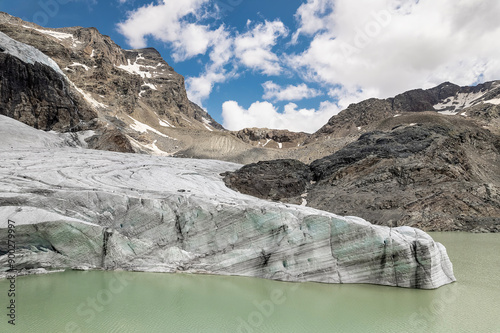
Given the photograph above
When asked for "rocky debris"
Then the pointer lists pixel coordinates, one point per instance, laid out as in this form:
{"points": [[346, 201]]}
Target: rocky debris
{"points": [[271, 138], [441, 174], [272, 180], [110, 140], [101, 210]]}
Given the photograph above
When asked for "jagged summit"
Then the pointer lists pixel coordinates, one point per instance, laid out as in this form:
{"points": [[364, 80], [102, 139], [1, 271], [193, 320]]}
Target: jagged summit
{"points": [[446, 99]]}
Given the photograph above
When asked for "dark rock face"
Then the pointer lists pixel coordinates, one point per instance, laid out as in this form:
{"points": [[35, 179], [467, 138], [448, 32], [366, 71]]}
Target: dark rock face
{"points": [[441, 175], [271, 179], [401, 143], [38, 96], [424, 100]]}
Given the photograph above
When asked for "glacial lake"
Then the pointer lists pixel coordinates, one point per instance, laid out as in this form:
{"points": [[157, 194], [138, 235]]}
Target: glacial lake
{"points": [[147, 302]]}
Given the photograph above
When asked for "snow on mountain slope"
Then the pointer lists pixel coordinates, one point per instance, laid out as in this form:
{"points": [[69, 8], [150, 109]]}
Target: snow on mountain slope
{"points": [[467, 97], [459, 101], [27, 53]]}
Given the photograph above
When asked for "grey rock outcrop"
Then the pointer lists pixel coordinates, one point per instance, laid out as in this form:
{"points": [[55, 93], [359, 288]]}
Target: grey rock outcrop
{"points": [[438, 173]]}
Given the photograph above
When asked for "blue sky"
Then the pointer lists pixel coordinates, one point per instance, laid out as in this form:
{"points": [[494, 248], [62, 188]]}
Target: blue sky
{"points": [[294, 63]]}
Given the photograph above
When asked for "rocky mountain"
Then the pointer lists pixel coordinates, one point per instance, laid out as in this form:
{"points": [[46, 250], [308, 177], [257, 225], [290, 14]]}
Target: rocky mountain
{"points": [[420, 169], [76, 80], [136, 102], [132, 92], [446, 99], [88, 209], [133, 99], [33, 90]]}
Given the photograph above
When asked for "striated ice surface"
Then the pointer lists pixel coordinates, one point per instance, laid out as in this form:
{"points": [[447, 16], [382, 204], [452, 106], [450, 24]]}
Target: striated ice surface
{"points": [[103, 210]]}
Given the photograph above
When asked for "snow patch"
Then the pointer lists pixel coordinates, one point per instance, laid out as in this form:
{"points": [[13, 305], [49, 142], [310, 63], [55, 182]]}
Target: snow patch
{"points": [[90, 99], [135, 68], [142, 128], [156, 150], [78, 64], [460, 101], [448, 113], [280, 145], [150, 85], [55, 34], [62, 36], [152, 148], [185, 118], [165, 123], [495, 101], [207, 123]]}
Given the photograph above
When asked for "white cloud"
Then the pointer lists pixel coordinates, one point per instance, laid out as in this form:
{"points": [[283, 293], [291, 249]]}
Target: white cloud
{"points": [[273, 91], [199, 88], [167, 21], [314, 16], [266, 115], [254, 48], [171, 22], [389, 46]]}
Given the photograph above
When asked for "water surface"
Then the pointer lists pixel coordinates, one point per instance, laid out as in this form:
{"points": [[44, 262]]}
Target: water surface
{"points": [[146, 302]]}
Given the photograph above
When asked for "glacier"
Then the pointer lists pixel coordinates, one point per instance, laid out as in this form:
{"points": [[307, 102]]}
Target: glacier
{"points": [[86, 209]]}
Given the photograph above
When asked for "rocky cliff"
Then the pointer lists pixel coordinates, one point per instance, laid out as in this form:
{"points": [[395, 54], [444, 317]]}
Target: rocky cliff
{"points": [[34, 91], [421, 169], [91, 209]]}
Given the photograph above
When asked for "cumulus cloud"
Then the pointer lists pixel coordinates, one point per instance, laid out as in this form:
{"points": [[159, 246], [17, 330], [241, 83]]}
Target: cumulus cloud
{"points": [[167, 21], [266, 115], [254, 48], [199, 88], [389, 46], [273, 91], [172, 22]]}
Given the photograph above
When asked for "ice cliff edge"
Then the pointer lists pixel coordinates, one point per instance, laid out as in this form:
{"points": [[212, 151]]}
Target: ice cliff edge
{"points": [[76, 207]]}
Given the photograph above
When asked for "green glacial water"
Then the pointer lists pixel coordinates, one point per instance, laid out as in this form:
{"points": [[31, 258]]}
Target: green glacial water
{"points": [[146, 302]]}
